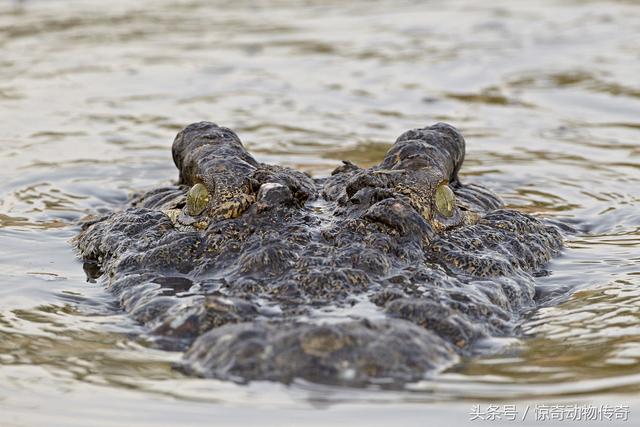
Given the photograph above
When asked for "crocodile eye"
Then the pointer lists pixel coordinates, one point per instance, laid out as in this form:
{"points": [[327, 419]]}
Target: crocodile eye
{"points": [[445, 200], [197, 199]]}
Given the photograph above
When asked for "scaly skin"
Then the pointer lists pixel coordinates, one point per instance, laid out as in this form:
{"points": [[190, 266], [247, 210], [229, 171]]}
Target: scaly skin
{"points": [[353, 279]]}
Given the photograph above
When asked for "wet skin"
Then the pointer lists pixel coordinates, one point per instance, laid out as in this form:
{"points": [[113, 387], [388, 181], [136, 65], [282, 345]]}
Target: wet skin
{"points": [[380, 275]]}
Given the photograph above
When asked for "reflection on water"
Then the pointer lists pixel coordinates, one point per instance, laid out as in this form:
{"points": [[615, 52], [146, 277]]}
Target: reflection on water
{"points": [[91, 94]]}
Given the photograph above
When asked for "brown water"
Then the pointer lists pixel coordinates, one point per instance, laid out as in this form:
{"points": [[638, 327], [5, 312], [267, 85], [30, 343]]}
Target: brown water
{"points": [[92, 93]]}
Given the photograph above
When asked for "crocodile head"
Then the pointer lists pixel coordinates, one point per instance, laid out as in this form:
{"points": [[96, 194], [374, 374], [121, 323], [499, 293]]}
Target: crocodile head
{"points": [[371, 275]]}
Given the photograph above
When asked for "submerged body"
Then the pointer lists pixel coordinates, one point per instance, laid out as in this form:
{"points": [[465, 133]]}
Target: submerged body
{"points": [[377, 275]]}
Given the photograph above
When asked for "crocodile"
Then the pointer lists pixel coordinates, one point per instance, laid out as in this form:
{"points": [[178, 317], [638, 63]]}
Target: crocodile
{"points": [[380, 275]]}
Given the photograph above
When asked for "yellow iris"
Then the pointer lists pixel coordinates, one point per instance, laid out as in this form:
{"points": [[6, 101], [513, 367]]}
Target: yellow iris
{"points": [[197, 199], [445, 200]]}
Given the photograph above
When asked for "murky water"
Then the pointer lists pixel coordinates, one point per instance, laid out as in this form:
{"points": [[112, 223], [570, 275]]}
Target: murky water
{"points": [[92, 93]]}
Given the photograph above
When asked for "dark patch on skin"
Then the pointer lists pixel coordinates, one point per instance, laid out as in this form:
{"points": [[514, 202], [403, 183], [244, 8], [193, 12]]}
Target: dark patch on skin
{"points": [[241, 285]]}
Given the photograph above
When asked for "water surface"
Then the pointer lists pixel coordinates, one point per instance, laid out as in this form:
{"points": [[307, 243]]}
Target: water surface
{"points": [[92, 93]]}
